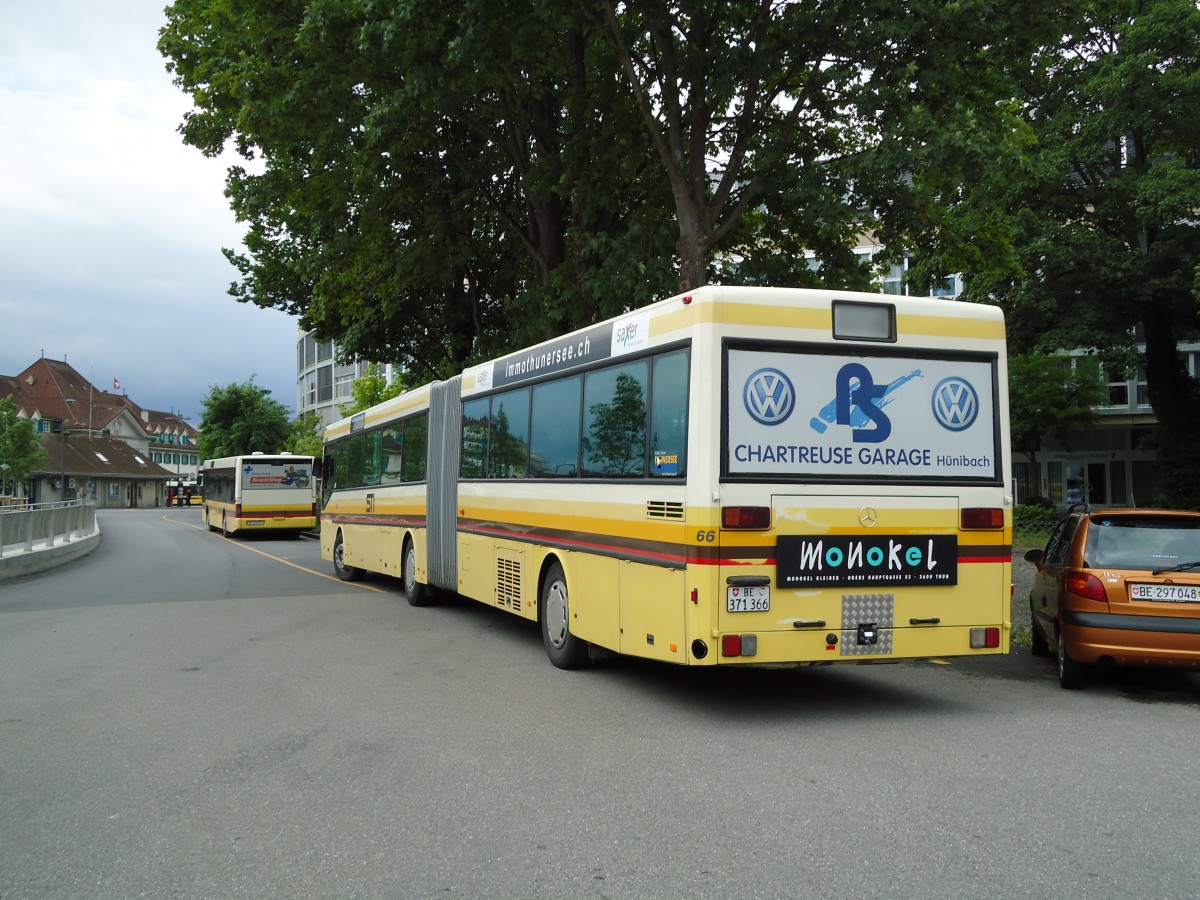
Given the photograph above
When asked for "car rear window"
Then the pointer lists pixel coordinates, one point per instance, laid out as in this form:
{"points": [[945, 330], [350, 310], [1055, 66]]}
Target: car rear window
{"points": [[1142, 542]]}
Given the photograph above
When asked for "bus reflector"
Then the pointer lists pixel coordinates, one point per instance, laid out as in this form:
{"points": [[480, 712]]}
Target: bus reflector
{"points": [[749, 517], [985, 637], [981, 517]]}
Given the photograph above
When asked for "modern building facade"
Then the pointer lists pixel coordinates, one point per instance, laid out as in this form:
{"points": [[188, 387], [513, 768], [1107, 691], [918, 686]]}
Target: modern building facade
{"points": [[323, 384]]}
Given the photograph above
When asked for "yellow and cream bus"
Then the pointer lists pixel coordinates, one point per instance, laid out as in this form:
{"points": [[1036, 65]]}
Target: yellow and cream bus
{"points": [[731, 476], [259, 492]]}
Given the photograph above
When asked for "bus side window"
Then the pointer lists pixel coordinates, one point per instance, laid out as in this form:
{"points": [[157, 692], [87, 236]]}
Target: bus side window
{"points": [[474, 439], [668, 416], [614, 437], [355, 448], [372, 457], [415, 430], [508, 454], [554, 429], [391, 453]]}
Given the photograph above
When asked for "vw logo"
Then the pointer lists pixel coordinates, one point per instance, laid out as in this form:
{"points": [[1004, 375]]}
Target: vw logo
{"points": [[955, 404], [769, 396]]}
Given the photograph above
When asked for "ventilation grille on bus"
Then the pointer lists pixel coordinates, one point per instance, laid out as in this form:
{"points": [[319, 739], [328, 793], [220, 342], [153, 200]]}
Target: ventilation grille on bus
{"points": [[508, 584], [662, 509]]}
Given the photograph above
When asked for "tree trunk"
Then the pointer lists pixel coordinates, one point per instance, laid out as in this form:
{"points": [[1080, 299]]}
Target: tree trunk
{"points": [[1176, 400]]}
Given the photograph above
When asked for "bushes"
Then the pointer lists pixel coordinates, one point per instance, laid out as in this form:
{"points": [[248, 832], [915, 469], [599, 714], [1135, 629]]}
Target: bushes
{"points": [[1032, 523]]}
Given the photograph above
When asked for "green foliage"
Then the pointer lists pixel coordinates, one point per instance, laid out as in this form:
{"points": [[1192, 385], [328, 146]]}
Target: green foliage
{"points": [[372, 388], [306, 435], [242, 418], [1091, 236], [1050, 397], [19, 446], [440, 183]]}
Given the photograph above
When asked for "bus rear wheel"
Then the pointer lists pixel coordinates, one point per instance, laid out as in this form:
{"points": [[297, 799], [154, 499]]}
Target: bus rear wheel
{"points": [[415, 593], [343, 571], [224, 526], [564, 649]]}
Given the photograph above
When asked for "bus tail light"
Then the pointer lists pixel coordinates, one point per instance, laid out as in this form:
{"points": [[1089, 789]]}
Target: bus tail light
{"points": [[985, 637], [747, 517], [237, 510], [981, 517], [739, 645]]}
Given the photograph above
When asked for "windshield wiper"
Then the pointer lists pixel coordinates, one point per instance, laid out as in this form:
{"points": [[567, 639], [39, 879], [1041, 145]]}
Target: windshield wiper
{"points": [[1182, 567]]}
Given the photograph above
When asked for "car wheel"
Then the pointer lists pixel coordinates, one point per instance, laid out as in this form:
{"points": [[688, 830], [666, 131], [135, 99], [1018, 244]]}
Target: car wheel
{"points": [[224, 527], [564, 649], [1038, 645], [343, 571], [1070, 673], [415, 593]]}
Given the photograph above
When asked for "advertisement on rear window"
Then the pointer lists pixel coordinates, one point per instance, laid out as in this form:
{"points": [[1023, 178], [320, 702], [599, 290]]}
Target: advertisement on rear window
{"points": [[261, 476], [823, 416]]}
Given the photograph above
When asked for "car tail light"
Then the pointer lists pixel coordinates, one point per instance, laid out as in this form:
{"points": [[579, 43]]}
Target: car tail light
{"points": [[749, 517], [1082, 584], [981, 517]]}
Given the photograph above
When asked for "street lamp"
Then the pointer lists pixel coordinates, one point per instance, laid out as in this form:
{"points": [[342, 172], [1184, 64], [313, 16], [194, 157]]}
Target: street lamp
{"points": [[62, 484]]}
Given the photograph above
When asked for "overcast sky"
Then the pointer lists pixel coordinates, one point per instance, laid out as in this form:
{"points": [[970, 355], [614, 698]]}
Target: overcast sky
{"points": [[110, 228]]}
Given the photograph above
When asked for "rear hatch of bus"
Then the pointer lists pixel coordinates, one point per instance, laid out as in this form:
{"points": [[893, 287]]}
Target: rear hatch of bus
{"points": [[885, 576]]}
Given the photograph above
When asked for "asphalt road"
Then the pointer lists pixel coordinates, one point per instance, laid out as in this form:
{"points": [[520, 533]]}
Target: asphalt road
{"points": [[185, 716]]}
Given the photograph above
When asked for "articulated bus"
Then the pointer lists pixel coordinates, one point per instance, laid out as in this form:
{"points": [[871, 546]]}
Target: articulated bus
{"points": [[259, 492], [733, 476]]}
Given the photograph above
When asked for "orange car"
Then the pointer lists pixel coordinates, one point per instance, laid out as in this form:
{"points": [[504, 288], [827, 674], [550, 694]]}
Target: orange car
{"points": [[1118, 587]]}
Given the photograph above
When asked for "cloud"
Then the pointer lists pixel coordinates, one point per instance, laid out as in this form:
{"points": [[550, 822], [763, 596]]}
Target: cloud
{"points": [[110, 228]]}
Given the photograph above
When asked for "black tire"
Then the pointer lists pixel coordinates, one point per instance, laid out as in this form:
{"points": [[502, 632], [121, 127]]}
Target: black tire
{"points": [[343, 571], [1070, 673], [1038, 645], [564, 649], [416, 593], [224, 527]]}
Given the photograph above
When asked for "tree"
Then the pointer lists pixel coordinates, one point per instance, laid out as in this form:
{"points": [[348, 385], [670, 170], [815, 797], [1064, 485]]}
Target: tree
{"points": [[242, 418], [1049, 397], [20, 449], [809, 119], [373, 388], [1099, 223], [306, 435], [412, 201]]}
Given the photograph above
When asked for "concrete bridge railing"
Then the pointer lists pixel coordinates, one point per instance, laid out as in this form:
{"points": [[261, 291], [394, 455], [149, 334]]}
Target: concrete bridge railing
{"points": [[44, 535]]}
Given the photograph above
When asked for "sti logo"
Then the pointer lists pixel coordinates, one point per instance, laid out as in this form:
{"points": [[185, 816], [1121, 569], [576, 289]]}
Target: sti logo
{"points": [[769, 396], [955, 404]]}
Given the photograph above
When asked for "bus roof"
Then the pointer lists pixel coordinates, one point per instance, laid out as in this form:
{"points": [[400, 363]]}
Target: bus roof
{"points": [[928, 318]]}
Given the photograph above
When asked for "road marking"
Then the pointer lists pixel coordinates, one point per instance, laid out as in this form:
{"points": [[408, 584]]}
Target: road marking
{"points": [[279, 559]]}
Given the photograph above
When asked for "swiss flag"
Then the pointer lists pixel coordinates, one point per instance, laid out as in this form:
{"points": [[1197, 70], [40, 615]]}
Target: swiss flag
{"points": [[116, 384]]}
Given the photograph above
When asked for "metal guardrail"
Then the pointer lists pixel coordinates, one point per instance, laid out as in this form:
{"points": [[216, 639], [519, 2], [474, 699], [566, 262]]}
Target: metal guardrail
{"points": [[45, 524]]}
